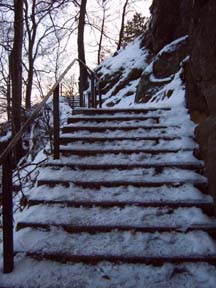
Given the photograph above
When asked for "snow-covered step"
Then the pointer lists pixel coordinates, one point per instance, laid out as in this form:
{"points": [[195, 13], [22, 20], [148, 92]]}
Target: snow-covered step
{"points": [[137, 175], [132, 132], [121, 166], [98, 119], [97, 128], [130, 247], [206, 206], [92, 111], [184, 143], [48, 274], [88, 151], [66, 138], [97, 219], [174, 196], [123, 158]]}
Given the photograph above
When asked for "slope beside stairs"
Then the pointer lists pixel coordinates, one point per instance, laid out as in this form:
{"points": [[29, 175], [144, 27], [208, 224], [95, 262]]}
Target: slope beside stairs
{"points": [[126, 190]]}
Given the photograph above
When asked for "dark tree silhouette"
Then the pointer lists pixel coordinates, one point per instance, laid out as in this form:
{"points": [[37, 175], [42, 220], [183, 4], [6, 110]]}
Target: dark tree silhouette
{"points": [[121, 33], [16, 72], [81, 50]]}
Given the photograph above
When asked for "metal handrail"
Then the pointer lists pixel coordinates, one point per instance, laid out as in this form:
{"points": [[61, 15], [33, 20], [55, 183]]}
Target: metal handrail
{"points": [[6, 160], [19, 134]]}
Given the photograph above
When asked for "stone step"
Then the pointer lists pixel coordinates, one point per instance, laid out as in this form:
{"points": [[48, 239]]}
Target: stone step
{"points": [[124, 246], [99, 119], [207, 207], [108, 166], [147, 260], [95, 128], [98, 219], [69, 138], [98, 184], [88, 152], [92, 111], [172, 196], [92, 229]]}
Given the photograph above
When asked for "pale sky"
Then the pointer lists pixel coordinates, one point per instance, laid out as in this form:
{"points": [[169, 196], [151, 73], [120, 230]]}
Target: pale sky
{"points": [[112, 29]]}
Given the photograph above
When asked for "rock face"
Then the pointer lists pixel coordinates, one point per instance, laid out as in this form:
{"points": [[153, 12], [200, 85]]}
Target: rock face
{"points": [[203, 54], [162, 70], [170, 20], [202, 82]]}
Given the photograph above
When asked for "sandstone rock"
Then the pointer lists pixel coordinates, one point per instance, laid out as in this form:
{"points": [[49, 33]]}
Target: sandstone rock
{"points": [[168, 61], [170, 20], [206, 136], [147, 88], [203, 55], [161, 71], [211, 165]]}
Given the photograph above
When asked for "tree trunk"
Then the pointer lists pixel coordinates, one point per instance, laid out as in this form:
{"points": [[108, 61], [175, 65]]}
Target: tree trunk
{"points": [[101, 36], [16, 73], [122, 25], [81, 51], [29, 87]]}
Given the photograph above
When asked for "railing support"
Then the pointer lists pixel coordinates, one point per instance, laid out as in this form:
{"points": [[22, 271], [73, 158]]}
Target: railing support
{"points": [[56, 123], [8, 249], [93, 91], [100, 96]]}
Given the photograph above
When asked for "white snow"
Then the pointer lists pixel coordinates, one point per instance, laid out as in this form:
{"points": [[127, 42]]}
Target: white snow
{"points": [[128, 58], [172, 46], [56, 275], [186, 192], [181, 218]]}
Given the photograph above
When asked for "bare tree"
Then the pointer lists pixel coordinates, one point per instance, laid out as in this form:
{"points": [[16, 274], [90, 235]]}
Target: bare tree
{"points": [[81, 50], [121, 33], [16, 73], [37, 14]]}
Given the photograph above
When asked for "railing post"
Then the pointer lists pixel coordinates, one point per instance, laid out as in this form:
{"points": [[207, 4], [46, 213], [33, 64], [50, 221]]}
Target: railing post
{"points": [[93, 91], [56, 122], [100, 96], [8, 249]]}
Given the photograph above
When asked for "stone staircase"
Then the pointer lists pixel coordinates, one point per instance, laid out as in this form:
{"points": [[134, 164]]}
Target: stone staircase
{"points": [[126, 190]]}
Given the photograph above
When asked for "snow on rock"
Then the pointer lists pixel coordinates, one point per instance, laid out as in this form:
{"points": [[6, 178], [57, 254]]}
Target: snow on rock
{"points": [[120, 74], [172, 46], [132, 56]]}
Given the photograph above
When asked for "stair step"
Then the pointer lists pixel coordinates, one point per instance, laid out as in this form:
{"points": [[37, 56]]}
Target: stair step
{"points": [[97, 184], [94, 128], [147, 260], [130, 165], [207, 207], [68, 138], [183, 195], [98, 219], [88, 152], [99, 119], [210, 229], [92, 111], [124, 246]]}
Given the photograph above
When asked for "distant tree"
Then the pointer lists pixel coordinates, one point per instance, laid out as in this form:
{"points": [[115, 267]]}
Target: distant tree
{"points": [[134, 27]]}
